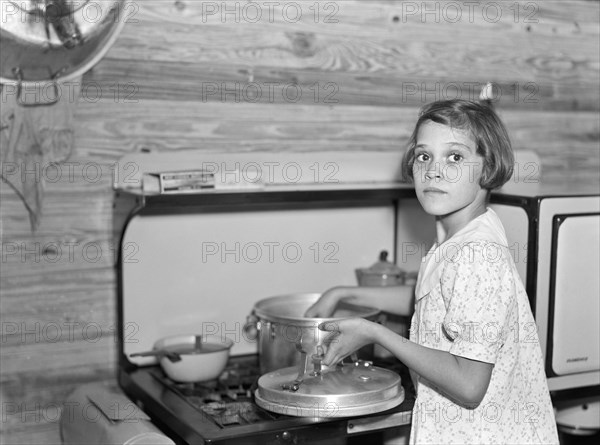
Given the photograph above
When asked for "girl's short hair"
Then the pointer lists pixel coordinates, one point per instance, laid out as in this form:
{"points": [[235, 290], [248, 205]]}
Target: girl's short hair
{"points": [[486, 128]]}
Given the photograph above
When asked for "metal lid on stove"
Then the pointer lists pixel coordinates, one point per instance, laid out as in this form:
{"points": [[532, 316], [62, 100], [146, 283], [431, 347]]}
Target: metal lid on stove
{"points": [[345, 390]]}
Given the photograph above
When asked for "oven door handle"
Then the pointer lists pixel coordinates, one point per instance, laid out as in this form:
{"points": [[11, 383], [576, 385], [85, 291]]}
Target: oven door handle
{"points": [[376, 423]]}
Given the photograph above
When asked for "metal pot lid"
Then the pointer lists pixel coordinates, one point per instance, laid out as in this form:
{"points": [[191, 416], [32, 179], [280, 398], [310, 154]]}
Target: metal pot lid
{"points": [[342, 391]]}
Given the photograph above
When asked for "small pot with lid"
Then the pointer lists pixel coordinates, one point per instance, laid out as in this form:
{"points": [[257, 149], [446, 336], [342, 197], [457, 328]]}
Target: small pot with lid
{"points": [[381, 273], [385, 273]]}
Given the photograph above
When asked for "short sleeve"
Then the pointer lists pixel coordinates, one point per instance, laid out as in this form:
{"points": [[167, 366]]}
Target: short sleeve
{"points": [[479, 292]]}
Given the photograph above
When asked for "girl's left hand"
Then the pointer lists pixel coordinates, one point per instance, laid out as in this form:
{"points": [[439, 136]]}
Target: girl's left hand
{"points": [[346, 336]]}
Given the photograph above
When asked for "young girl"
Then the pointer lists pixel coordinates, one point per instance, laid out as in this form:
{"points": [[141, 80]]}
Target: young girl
{"points": [[477, 369]]}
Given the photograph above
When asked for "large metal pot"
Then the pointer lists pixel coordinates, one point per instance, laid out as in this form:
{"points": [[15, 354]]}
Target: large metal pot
{"points": [[283, 331]]}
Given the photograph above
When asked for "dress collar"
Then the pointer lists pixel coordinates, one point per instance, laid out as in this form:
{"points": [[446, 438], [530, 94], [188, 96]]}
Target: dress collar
{"points": [[487, 227]]}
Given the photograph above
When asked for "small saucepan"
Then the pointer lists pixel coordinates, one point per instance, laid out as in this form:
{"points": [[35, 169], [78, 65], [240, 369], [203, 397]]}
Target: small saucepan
{"points": [[191, 358]]}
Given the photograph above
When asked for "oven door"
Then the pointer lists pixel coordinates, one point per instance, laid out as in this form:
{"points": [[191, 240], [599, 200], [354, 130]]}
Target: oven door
{"points": [[567, 298], [574, 346]]}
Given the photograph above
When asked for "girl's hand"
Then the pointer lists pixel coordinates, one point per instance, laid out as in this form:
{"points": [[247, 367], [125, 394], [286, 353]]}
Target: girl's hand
{"points": [[346, 336], [326, 304]]}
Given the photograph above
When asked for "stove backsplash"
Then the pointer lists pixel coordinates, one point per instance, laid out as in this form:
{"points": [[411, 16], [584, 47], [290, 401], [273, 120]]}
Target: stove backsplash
{"points": [[202, 273]]}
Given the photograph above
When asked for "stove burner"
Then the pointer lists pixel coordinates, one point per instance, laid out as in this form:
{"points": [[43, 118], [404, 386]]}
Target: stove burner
{"points": [[235, 413], [227, 400]]}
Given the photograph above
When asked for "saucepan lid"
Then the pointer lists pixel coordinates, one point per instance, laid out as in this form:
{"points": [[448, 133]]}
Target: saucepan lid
{"points": [[345, 390], [382, 267]]}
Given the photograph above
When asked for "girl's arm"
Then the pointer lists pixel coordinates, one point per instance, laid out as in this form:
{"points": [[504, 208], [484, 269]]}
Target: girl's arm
{"points": [[393, 299], [462, 379]]}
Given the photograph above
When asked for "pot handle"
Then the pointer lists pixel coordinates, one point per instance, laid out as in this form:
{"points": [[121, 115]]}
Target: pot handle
{"points": [[354, 359], [252, 327], [159, 353]]}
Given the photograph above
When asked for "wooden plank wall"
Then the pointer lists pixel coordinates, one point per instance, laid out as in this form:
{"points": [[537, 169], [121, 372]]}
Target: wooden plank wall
{"points": [[260, 76]]}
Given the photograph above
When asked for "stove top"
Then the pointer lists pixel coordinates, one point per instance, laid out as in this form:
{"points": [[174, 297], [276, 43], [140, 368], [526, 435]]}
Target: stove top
{"points": [[228, 400], [224, 411]]}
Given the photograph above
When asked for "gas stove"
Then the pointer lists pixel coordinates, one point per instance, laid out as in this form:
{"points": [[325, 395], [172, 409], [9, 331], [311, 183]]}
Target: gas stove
{"points": [[198, 262], [223, 411], [216, 256]]}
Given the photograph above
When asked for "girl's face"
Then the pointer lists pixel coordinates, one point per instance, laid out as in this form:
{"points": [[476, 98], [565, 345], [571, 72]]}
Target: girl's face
{"points": [[446, 172]]}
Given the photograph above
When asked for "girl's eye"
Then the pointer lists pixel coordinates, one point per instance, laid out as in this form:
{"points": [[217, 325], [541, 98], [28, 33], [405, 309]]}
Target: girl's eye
{"points": [[422, 157], [455, 157]]}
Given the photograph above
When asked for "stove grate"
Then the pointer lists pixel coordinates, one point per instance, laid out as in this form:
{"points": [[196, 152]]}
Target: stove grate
{"points": [[227, 401]]}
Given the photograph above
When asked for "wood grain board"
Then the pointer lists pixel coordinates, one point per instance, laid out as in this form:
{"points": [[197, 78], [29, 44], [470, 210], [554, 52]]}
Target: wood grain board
{"points": [[342, 76]]}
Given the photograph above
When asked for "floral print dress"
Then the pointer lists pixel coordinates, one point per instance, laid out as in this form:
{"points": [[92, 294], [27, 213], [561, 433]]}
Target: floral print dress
{"points": [[470, 301]]}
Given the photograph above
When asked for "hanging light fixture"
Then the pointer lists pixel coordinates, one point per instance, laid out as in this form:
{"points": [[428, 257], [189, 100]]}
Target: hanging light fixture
{"points": [[57, 16], [54, 41]]}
